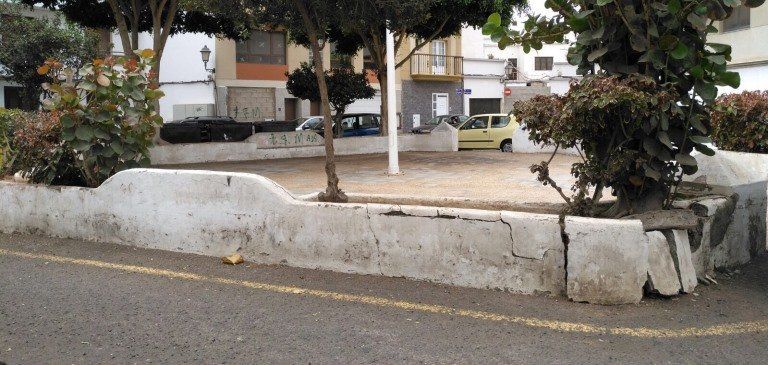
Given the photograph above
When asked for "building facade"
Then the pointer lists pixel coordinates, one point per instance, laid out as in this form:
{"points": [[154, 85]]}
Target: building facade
{"points": [[746, 31], [494, 79], [432, 80]]}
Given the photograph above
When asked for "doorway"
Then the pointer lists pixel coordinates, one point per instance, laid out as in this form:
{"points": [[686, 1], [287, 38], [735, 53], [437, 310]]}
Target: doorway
{"points": [[484, 106], [291, 104], [439, 104]]}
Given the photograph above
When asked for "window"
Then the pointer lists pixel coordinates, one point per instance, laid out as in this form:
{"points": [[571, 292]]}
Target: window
{"points": [[499, 122], [438, 57], [12, 97], [739, 19], [368, 63], [263, 47], [543, 63], [511, 69], [476, 123], [339, 60]]}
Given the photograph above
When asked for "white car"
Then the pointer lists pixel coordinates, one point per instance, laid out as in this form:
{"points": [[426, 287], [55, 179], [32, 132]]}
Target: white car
{"points": [[310, 122]]}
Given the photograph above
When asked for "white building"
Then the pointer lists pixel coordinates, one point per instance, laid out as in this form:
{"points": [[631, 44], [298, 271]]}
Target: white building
{"points": [[746, 31], [183, 77], [498, 77]]}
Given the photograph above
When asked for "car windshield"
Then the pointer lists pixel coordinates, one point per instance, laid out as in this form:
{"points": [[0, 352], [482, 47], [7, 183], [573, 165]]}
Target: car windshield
{"points": [[436, 120], [299, 121], [314, 123]]}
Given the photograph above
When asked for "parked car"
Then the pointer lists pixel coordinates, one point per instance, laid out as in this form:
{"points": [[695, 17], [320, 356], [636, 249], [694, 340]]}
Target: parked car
{"points": [[306, 123], [206, 129], [488, 131], [355, 125], [454, 120]]}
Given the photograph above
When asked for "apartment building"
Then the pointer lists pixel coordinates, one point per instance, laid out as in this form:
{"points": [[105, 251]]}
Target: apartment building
{"points": [[432, 80], [746, 31]]}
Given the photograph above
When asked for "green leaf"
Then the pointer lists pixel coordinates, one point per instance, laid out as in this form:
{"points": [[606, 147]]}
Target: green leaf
{"points": [[673, 6], [99, 133], [84, 133], [494, 19], [707, 90], [597, 54], [680, 51], [732, 79], [663, 137], [603, 2], [700, 139], [117, 147], [668, 42], [685, 160], [697, 72], [719, 48], [704, 150]]}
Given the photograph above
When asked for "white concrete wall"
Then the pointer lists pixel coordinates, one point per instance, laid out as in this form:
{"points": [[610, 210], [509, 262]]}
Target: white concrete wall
{"points": [[216, 213], [521, 144], [442, 138], [747, 174]]}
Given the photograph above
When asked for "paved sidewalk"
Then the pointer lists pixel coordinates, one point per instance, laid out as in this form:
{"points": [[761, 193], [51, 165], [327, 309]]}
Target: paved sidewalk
{"points": [[71, 302], [491, 175]]}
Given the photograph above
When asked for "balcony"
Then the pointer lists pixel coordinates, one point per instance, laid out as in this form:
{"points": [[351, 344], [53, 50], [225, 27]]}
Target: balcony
{"points": [[432, 67]]}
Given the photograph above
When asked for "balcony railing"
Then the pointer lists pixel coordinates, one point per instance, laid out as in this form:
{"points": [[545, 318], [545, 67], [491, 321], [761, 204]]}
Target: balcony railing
{"points": [[436, 67]]}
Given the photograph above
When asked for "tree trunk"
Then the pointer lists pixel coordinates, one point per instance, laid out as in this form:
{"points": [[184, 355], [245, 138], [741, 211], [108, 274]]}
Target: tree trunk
{"points": [[651, 198], [382, 76], [332, 192]]}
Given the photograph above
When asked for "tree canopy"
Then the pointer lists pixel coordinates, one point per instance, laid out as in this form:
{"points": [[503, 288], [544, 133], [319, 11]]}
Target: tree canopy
{"points": [[344, 87], [26, 43]]}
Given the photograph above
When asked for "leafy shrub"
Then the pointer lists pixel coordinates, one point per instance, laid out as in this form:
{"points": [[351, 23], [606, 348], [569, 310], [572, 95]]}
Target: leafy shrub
{"points": [[39, 153], [740, 122], [631, 135], [108, 116], [8, 121]]}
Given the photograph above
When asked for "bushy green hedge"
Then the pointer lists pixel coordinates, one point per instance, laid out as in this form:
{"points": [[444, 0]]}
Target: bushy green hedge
{"points": [[740, 122], [8, 120]]}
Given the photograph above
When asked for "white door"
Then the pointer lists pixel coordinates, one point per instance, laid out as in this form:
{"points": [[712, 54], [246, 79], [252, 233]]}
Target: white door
{"points": [[439, 104], [438, 57]]}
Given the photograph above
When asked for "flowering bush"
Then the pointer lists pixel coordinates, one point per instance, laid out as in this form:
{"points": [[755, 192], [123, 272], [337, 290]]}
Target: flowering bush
{"points": [[107, 111], [740, 122]]}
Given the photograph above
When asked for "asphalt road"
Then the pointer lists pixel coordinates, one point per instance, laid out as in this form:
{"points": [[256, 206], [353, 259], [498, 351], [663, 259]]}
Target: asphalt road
{"points": [[70, 302]]}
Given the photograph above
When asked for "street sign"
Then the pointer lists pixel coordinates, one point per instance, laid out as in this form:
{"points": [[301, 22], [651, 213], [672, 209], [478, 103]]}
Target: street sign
{"points": [[468, 91], [507, 91], [459, 91]]}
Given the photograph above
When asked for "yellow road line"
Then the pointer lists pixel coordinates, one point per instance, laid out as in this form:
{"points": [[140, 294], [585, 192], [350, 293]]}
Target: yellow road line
{"points": [[560, 326]]}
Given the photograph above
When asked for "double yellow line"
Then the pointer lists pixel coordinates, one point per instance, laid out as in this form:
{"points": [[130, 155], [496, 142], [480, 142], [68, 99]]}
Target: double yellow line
{"points": [[560, 326]]}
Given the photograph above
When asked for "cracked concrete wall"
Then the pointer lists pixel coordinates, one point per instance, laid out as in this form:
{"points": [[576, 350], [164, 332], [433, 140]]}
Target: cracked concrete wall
{"points": [[442, 138], [747, 174], [207, 213]]}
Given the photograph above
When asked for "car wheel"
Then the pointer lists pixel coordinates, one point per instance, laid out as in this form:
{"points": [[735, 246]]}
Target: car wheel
{"points": [[506, 146]]}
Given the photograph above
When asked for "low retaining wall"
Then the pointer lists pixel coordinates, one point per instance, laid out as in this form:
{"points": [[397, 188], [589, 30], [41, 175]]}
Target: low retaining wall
{"points": [[521, 144], [264, 146], [747, 175], [217, 213]]}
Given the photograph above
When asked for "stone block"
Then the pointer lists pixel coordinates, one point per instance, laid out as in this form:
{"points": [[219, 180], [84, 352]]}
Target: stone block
{"points": [[607, 260], [681, 252], [662, 272]]}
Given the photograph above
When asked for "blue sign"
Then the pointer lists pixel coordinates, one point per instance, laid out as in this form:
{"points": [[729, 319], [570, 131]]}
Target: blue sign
{"points": [[463, 91], [468, 91], [459, 91]]}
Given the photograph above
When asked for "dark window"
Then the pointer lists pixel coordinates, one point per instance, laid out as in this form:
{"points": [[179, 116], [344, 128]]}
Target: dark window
{"points": [[263, 47], [739, 19], [476, 123], [511, 69], [543, 63], [368, 63], [12, 97], [339, 60], [499, 122]]}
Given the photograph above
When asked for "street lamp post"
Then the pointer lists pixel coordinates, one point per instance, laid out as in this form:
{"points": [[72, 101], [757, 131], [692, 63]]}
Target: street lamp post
{"points": [[394, 163], [205, 54]]}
